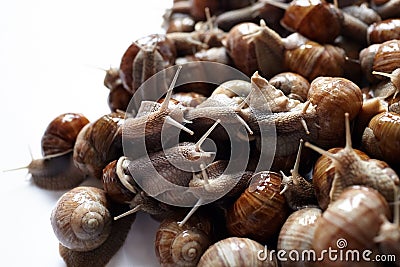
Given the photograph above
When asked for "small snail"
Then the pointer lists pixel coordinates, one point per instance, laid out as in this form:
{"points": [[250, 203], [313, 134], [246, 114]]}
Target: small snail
{"points": [[291, 84], [350, 223], [99, 143], [297, 190], [350, 169], [56, 170], [297, 234], [118, 97], [236, 251], [182, 245], [81, 219], [102, 254], [260, 211]]}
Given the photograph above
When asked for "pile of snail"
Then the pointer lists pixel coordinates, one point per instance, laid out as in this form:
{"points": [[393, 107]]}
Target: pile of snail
{"points": [[321, 78]]}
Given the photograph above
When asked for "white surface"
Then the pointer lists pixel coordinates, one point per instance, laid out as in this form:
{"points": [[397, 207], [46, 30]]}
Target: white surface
{"points": [[49, 55]]}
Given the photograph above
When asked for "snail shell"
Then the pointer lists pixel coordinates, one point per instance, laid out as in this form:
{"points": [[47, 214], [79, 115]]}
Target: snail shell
{"points": [[236, 251], [291, 84], [260, 211], [61, 133], [317, 20], [182, 245], [297, 233], [350, 223], [323, 175], [381, 137], [99, 143], [81, 219], [383, 31]]}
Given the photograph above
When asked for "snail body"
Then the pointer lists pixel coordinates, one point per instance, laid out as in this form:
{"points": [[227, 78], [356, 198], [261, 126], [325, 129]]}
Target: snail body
{"points": [[81, 219], [350, 169]]}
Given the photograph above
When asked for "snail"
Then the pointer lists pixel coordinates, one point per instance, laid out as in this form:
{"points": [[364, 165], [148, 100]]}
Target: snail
{"points": [[56, 170], [182, 245], [81, 219], [387, 89], [297, 190], [350, 224], [118, 97], [188, 99], [99, 143], [179, 22], [260, 211], [292, 85], [388, 238], [119, 230], [144, 58], [383, 58], [297, 234], [350, 169], [380, 138], [147, 127], [383, 31], [363, 12], [236, 251]]}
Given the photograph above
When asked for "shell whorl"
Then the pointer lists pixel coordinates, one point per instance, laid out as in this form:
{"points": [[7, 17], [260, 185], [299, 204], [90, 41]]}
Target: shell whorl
{"points": [[81, 220]]}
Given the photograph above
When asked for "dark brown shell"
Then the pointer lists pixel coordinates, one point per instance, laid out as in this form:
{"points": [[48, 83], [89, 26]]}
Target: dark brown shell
{"points": [[136, 66], [182, 245], [118, 99], [260, 211], [323, 175], [102, 255], [99, 143], [61, 133], [81, 219], [236, 251], [386, 30], [316, 20], [387, 57], [350, 223]]}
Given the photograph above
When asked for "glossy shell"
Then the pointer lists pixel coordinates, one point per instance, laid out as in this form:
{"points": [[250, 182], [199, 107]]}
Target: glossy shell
{"points": [[297, 234], [81, 220], [260, 211], [350, 223], [291, 84], [381, 139], [333, 97], [316, 20], [61, 133], [382, 31], [99, 143], [182, 246], [235, 251]]}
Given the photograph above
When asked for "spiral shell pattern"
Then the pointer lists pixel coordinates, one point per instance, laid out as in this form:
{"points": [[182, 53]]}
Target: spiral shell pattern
{"points": [[81, 220]]}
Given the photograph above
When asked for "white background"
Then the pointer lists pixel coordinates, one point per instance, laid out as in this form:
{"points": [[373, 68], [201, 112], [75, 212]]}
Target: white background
{"points": [[50, 55]]}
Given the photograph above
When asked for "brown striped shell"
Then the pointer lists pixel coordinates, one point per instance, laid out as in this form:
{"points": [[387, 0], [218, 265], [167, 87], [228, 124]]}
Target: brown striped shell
{"points": [[350, 223], [297, 234], [381, 139], [324, 173], [383, 31], [61, 133], [182, 245], [291, 84], [81, 219], [260, 211], [99, 143], [236, 251]]}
